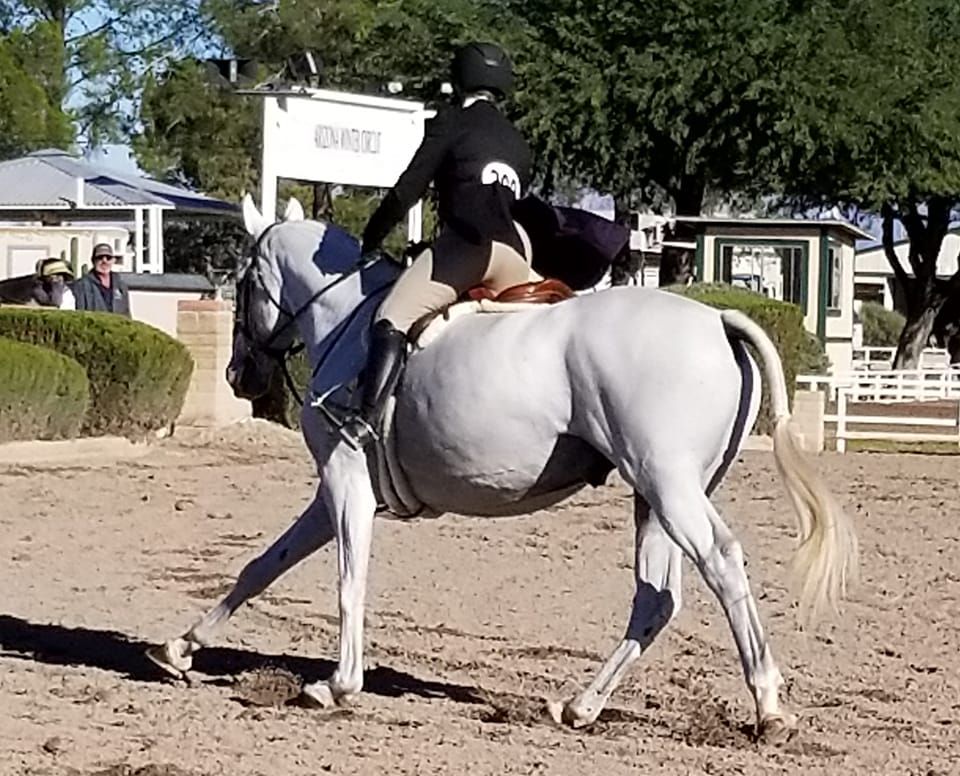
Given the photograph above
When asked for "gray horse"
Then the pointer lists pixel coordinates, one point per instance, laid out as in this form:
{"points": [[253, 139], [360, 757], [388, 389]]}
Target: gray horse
{"points": [[508, 413]]}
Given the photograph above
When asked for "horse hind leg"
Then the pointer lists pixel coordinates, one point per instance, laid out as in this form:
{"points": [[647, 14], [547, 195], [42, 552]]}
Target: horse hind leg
{"points": [[311, 531], [694, 524], [657, 599]]}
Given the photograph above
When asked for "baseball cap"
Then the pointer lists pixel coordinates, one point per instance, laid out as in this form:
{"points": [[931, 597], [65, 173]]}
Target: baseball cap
{"points": [[102, 249]]}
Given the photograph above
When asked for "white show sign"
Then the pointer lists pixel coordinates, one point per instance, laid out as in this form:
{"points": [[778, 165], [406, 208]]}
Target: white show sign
{"points": [[337, 137]]}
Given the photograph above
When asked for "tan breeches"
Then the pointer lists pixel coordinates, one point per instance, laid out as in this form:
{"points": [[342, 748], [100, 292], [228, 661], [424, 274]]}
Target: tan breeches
{"points": [[433, 282]]}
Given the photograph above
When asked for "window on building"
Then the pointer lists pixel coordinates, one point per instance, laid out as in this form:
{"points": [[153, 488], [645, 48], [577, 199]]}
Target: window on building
{"points": [[835, 279], [776, 271]]}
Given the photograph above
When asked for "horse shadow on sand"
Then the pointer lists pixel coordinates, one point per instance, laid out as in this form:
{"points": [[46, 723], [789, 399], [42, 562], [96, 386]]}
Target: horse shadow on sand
{"points": [[109, 650]]}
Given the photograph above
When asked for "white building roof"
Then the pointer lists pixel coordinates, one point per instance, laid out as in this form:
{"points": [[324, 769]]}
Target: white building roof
{"points": [[744, 222], [54, 180]]}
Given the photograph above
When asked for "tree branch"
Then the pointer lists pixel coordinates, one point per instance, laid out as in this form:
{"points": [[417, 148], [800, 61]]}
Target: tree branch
{"points": [[898, 271], [95, 31], [916, 231], [139, 52], [938, 221]]}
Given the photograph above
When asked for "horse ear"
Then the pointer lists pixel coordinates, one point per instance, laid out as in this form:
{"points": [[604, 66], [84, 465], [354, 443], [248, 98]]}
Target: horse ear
{"points": [[294, 210], [254, 221]]}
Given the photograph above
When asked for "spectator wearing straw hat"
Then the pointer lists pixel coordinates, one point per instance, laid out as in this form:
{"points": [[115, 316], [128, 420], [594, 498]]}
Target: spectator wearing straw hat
{"points": [[52, 288], [102, 289]]}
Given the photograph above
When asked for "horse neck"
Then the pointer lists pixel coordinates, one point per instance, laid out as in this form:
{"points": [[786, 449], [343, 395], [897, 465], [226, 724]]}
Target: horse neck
{"points": [[333, 328]]}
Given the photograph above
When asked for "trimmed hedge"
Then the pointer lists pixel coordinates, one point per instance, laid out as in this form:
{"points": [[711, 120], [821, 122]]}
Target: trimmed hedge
{"points": [[800, 351], [43, 395], [138, 374], [881, 327]]}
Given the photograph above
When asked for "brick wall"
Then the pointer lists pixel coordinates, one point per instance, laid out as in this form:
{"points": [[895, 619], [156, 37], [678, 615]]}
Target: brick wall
{"points": [[205, 326]]}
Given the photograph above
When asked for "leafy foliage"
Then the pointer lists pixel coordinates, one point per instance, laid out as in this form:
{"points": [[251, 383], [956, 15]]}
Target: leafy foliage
{"points": [[43, 395], [203, 246], [652, 100], [876, 130], [138, 374], [30, 114], [881, 327], [97, 52], [199, 133]]}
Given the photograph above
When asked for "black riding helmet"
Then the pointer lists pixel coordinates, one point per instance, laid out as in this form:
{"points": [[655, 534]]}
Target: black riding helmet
{"points": [[482, 66]]}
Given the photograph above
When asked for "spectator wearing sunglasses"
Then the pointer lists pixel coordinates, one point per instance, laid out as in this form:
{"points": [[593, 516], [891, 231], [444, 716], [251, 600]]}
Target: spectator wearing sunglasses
{"points": [[102, 289]]}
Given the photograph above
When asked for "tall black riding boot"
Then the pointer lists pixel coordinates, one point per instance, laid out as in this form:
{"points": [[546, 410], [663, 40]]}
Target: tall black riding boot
{"points": [[388, 347]]}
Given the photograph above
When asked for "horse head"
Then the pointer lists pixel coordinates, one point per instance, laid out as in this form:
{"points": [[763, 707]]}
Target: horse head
{"points": [[263, 331], [283, 287]]}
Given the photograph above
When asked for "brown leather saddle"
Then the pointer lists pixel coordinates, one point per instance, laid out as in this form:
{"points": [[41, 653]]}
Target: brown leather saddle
{"points": [[548, 291]]}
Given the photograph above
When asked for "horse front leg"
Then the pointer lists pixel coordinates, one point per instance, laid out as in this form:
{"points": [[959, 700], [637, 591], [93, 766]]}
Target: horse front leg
{"points": [[351, 503], [311, 531]]}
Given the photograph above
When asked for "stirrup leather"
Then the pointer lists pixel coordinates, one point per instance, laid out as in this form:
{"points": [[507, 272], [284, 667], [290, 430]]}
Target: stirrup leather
{"points": [[351, 426]]}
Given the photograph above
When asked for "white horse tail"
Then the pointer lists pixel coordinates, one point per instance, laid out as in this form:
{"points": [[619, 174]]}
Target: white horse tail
{"points": [[826, 557]]}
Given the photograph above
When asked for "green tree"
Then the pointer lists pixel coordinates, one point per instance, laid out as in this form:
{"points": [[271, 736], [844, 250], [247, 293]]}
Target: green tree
{"points": [[875, 128], [100, 51], [29, 119], [197, 130], [362, 44], [659, 102]]}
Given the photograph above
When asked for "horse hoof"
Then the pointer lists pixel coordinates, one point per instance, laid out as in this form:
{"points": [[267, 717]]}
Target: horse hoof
{"points": [[777, 730], [170, 659], [317, 696], [569, 715], [555, 710]]}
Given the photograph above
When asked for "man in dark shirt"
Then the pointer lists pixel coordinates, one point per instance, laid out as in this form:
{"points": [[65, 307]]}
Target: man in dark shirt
{"points": [[481, 165], [102, 289]]}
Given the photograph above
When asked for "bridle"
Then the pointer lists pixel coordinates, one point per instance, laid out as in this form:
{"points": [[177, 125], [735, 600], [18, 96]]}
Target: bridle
{"points": [[281, 355]]}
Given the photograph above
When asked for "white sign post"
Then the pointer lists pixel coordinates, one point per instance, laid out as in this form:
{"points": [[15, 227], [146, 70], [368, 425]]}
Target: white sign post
{"points": [[325, 136]]}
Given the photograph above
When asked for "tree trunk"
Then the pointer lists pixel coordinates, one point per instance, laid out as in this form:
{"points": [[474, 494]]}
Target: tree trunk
{"points": [[926, 295], [914, 337], [57, 13], [625, 266], [676, 263], [322, 202]]}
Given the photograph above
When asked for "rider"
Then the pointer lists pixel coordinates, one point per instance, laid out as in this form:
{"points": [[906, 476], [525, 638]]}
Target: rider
{"points": [[481, 164]]}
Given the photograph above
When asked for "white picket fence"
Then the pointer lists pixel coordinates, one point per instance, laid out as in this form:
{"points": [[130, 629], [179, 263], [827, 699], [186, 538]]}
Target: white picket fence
{"points": [[892, 387], [881, 359], [915, 420]]}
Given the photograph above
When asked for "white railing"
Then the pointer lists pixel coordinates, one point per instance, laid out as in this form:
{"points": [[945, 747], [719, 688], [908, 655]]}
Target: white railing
{"points": [[903, 385], [844, 419], [869, 359], [894, 385]]}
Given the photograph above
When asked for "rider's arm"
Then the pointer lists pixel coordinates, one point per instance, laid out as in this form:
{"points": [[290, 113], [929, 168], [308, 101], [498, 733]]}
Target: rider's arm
{"points": [[412, 183]]}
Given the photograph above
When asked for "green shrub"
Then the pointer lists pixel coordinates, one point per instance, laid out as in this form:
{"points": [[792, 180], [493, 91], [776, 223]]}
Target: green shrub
{"points": [[138, 374], [800, 351], [881, 327], [43, 395]]}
